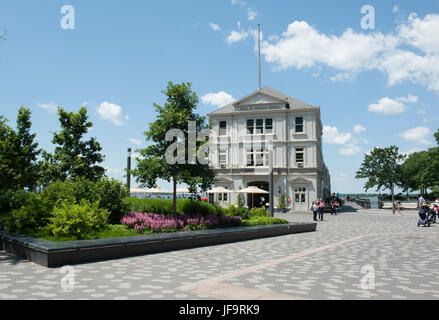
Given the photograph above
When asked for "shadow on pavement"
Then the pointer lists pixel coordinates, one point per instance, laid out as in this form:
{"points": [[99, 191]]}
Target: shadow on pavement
{"points": [[10, 259], [348, 208]]}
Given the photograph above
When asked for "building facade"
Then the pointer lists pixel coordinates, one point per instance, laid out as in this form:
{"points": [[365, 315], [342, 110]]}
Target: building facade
{"points": [[263, 128]]}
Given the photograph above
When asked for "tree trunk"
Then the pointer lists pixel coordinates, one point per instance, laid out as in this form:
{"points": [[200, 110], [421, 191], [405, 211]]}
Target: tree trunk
{"points": [[174, 200]]}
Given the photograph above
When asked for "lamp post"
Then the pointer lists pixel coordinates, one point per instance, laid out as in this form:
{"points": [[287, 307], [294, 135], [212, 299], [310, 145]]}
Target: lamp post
{"points": [[129, 170], [271, 183]]}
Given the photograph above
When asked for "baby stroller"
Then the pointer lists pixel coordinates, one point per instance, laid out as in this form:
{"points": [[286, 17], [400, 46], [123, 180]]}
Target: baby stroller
{"points": [[432, 215], [424, 215]]}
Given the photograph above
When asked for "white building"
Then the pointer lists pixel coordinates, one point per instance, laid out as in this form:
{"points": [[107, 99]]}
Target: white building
{"points": [[242, 134]]}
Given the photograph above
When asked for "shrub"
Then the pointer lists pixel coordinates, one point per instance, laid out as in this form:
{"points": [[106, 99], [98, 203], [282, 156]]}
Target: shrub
{"points": [[237, 211], [281, 201], [162, 206], [262, 221], [257, 212], [12, 200], [82, 220], [194, 207], [31, 216], [109, 193]]}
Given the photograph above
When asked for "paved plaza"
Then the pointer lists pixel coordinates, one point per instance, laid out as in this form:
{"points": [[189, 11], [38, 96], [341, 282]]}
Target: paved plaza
{"points": [[359, 254]]}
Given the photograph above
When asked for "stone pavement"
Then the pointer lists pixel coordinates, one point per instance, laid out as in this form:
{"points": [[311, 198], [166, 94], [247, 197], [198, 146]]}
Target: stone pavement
{"points": [[364, 254]]}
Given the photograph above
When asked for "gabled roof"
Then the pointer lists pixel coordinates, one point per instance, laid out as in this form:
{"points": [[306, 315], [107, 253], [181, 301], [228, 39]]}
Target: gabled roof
{"points": [[294, 103]]}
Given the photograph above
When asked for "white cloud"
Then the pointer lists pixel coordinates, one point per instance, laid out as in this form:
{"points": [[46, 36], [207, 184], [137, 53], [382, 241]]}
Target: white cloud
{"points": [[111, 112], [418, 135], [344, 76], [51, 107], [219, 99], [236, 36], [395, 9], [359, 129], [349, 150], [390, 106], [214, 26], [135, 141], [410, 53], [331, 135], [409, 99], [387, 106], [251, 14]]}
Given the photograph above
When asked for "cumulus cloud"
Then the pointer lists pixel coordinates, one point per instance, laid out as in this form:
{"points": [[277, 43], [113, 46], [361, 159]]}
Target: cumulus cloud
{"points": [[331, 135], [418, 135], [388, 106], [219, 99], [236, 36], [410, 53], [51, 107], [359, 129], [214, 26], [111, 112]]}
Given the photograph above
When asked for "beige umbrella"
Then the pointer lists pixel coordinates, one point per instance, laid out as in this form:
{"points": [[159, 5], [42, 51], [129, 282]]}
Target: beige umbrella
{"points": [[219, 190], [253, 190]]}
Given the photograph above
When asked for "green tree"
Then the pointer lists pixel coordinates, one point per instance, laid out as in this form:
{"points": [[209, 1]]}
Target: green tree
{"points": [[174, 114], [73, 156], [19, 153], [382, 169]]}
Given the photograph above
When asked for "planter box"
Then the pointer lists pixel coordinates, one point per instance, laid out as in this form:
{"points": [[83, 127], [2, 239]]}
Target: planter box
{"points": [[56, 254]]}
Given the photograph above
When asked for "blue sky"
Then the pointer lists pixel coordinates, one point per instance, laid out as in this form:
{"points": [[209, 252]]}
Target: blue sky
{"points": [[121, 54]]}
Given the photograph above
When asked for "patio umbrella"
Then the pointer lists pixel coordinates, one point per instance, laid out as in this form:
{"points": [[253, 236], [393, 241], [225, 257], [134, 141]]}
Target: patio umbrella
{"points": [[253, 190], [219, 190]]}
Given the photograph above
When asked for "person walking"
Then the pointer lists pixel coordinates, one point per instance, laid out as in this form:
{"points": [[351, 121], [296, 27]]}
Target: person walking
{"points": [[314, 209], [333, 207], [399, 206], [321, 209], [421, 200]]}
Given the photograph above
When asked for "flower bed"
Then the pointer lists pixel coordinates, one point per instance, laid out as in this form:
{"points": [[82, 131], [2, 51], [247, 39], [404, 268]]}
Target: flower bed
{"points": [[142, 222]]}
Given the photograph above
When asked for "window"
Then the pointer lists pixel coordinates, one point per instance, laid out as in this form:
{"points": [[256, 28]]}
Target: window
{"points": [[250, 158], [222, 158], [259, 155], [225, 197], [300, 195], [268, 125], [250, 126], [220, 197], [256, 157], [223, 128], [300, 157], [259, 126], [299, 124]]}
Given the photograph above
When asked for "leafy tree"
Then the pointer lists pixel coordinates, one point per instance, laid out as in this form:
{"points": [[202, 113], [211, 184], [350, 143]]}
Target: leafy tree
{"points": [[382, 169], [73, 157], [174, 114], [18, 153], [416, 173]]}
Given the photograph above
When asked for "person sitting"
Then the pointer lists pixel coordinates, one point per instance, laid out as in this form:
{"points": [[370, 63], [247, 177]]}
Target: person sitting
{"points": [[423, 211]]}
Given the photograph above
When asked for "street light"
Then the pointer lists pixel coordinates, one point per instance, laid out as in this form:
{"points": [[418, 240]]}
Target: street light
{"points": [[129, 170]]}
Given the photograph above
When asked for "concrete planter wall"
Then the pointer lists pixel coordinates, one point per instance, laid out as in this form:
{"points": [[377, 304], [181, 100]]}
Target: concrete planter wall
{"points": [[56, 254]]}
